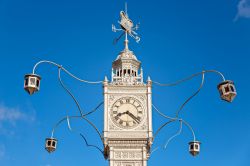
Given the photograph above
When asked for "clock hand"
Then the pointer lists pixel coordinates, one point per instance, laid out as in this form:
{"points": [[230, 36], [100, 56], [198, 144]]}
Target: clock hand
{"points": [[120, 114], [133, 117]]}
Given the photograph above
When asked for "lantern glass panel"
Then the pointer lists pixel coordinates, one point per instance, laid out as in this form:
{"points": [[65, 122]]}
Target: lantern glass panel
{"points": [[32, 81], [37, 83], [54, 143], [232, 88], [227, 89], [26, 81]]}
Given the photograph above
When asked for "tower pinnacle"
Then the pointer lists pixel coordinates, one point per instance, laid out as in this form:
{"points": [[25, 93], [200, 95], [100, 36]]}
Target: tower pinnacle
{"points": [[126, 41], [126, 67]]}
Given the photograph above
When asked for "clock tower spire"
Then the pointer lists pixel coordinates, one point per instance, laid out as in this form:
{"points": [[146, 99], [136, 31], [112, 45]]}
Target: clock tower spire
{"points": [[127, 105], [125, 69]]}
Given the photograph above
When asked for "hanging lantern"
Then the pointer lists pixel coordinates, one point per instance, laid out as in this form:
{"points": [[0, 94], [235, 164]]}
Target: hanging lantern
{"points": [[194, 148], [50, 144], [227, 90], [32, 83]]}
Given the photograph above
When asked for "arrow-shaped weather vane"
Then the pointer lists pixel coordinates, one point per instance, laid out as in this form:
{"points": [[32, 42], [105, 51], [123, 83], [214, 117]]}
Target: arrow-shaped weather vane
{"points": [[127, 27]]}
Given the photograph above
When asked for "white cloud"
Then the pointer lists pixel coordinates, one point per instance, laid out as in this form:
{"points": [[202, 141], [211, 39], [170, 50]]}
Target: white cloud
{"points": [[12, 115], [9, 116], [243, 9]]}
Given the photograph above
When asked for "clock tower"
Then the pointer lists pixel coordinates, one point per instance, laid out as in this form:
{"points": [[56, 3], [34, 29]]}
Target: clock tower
{"points": [[127, 110]]}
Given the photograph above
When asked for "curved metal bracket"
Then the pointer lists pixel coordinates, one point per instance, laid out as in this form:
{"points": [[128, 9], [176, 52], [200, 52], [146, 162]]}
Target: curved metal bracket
{"points": [[170, 121], [94, 110], [190, 77], [60, 121], [69, 73], [165, 116], [67, 118], [178, 133], [190, 128], [182, 106], [78, 105], [68, 91], [161, 127], [89, 145]]}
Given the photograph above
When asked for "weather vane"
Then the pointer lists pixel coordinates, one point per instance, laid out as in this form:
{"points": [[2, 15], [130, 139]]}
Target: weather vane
{"points": [[127, 27]]}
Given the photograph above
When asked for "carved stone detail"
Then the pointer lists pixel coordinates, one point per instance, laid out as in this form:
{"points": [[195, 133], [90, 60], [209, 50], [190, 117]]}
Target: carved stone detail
{"points": [[127, 134], [113, 127], [129, 163], [143, 127], [128, 155], [111, 97]]}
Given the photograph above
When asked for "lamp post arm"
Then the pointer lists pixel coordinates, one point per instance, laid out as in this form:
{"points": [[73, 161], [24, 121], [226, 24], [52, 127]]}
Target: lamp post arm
{"points": [[217, 72], [68, 91], [170, 121], [165, 124], [65, 70], [89, 145], [175, 135], [162, 126], [94, 110], [60, 121], [191, 129], [165, 116], [78, 106], [192, 96], [69, 117], [190, 77], [96, 129], [44, 61]]}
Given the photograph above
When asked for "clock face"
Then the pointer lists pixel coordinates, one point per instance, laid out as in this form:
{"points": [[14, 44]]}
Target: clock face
{"points": [[127, 112]]}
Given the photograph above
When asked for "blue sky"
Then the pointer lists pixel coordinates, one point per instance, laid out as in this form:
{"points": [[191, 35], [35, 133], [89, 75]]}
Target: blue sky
{"points": [[178, 38]]}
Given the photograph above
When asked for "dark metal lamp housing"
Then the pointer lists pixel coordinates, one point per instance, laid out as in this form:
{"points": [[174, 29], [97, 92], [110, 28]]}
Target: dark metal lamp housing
{"points": [[194, 148], [32, 83], [227, 90], [50, 144]]}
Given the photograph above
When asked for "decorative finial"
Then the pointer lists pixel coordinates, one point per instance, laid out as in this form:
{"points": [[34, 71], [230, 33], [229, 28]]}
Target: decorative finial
{"points": [[126, 8], [127, 28], [106, 79]]}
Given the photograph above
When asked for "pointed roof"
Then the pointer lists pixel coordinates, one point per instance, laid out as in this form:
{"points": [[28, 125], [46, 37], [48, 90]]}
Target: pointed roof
{"points": [[126, 54]]}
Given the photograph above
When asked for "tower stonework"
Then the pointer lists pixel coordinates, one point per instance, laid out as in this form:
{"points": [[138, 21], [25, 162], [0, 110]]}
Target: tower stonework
{"points": [[127, 113]]}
